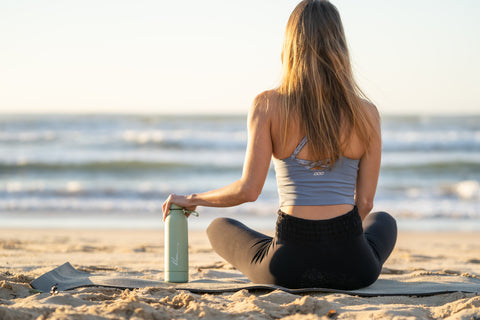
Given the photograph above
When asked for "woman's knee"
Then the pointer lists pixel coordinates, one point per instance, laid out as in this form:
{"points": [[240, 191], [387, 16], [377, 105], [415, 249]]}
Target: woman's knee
{"points": [[383, 218], [217, 226], [388, 219]]}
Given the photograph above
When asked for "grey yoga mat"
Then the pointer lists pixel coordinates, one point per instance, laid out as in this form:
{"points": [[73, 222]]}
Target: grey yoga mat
{"points": [[66, 277]]}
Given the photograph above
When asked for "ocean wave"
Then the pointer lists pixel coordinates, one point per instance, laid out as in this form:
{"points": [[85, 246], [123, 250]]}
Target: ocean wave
{"points": [[431, 121], [435, 208], [185, 139], [28, 137], [459, 146], [466, 190], [431, 159], [79, 191], [72, 205], [442, 167], [116, 166], [222, 162], [436, 140]]}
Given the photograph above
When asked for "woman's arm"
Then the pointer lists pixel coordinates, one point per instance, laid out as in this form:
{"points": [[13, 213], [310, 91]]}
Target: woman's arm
{"points": [[255, 169], [369, 168]]}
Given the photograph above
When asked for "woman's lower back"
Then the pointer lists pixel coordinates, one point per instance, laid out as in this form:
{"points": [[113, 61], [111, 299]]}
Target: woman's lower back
{"points": [[317, 212]]}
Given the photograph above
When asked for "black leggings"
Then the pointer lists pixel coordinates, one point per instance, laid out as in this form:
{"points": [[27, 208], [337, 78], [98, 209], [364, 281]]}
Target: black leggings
{"points": [[335, 253]]}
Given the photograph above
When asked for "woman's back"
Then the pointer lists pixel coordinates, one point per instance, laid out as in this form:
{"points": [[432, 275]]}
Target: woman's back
{"points": [[353, 149]]}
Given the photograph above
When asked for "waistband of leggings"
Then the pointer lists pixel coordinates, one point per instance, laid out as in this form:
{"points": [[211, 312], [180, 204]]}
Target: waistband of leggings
{"points": [[290, 228]]}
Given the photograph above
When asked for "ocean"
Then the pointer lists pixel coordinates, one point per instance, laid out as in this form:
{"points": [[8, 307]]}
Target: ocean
{"points": [[101, 171]]}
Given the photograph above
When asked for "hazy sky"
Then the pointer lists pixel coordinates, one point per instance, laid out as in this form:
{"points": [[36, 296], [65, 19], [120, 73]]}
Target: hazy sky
{"points": [[157, 56]]}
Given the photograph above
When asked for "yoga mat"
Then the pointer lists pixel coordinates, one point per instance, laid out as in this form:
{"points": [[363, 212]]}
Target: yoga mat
{"points": [[66, 277]]}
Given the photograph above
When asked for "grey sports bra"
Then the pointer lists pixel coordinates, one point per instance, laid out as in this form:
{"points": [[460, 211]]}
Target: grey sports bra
{"points": [[300, 185]]}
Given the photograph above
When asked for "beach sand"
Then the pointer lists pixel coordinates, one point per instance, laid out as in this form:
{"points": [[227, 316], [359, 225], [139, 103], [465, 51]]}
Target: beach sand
{"points": [[27, 253]]}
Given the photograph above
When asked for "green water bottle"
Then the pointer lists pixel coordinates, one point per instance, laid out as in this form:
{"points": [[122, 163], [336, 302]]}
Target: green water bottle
{"points": [[176, 245]]}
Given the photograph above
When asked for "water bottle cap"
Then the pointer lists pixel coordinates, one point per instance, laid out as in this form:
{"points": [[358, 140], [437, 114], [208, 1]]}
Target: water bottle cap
{"points": [[187, 212]]}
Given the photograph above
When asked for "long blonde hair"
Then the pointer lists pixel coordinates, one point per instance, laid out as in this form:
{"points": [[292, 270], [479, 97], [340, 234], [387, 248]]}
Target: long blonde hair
{"points": [[317, 85]]}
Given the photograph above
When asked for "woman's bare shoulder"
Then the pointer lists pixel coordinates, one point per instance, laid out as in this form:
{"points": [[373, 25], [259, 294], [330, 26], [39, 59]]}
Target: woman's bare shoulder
{"points": [[267, 98], [371, 113], [266, 103], [370, 109]]}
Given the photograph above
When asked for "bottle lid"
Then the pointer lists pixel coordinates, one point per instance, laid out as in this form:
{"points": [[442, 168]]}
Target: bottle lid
{"points": [[187, 212]]}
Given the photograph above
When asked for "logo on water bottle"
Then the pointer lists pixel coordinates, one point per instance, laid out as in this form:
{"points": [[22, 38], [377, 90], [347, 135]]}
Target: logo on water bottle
{"points": [[175, 260]]}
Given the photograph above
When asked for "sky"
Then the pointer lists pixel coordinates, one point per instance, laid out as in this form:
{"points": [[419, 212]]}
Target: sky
{"points": [[215, 56]]}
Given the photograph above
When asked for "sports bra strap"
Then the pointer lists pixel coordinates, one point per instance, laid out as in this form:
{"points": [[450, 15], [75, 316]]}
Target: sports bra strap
{"points": [[299, 147]]}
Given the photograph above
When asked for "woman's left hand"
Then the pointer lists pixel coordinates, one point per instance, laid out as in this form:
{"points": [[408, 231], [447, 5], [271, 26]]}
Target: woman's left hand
{"points": [[179, 200]]}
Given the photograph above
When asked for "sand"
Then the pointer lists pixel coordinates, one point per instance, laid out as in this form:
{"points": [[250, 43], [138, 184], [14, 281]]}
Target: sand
{"points": [[27, 253]]}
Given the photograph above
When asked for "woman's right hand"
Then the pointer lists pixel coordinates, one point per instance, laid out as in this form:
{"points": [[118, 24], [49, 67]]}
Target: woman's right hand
{"points": [[179, 200]]}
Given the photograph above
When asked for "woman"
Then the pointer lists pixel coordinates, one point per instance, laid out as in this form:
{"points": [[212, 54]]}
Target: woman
{"points": [[326, 147]]}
